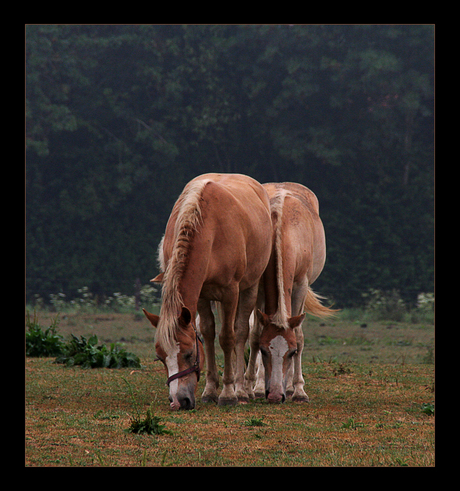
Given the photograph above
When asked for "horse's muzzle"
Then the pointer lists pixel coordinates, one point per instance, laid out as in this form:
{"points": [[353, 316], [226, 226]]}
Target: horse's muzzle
{"points": [[275, 398]]}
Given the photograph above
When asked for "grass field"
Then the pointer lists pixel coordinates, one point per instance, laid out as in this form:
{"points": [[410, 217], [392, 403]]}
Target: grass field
{"points": [[371, 395]]}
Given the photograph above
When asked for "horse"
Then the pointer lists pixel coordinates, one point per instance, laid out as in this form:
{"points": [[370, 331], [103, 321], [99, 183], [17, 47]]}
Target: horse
{"points": [[297, 259], [216, 246]]}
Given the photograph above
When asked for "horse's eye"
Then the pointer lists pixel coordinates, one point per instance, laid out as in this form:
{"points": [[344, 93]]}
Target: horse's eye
{"points": [[292, 353]]}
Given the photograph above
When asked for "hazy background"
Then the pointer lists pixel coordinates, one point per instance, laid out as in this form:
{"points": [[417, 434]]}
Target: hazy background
{"points": [[120, 118]]}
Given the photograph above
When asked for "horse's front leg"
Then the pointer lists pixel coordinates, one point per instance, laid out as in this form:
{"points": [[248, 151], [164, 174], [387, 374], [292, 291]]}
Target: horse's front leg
{"points": [[250, 375], [259, 388], [255, 372]]}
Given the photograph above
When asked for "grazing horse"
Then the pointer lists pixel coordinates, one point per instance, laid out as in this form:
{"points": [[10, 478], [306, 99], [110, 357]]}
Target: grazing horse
{"points": [[216, 247], [297, 258]]}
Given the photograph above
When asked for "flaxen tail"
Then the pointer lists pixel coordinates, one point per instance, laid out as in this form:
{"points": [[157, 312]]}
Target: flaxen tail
{"points": [[314, 307]]}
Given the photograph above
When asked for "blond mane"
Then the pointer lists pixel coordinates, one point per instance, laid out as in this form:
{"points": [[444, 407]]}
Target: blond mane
{"points": [[187, 222]]}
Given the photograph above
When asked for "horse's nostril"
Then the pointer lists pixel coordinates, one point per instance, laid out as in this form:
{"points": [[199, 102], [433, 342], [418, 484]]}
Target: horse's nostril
{"points": [[185, 403]]}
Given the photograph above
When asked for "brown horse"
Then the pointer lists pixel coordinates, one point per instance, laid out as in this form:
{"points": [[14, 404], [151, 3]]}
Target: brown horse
{"points": [[216, 247], [297, 259]]}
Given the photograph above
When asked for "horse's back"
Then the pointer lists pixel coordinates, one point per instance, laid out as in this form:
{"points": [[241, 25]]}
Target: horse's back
{"points": [[234, 219], [238, 209], [241, 187], [303, 239], [237, 204], [302, 192]]}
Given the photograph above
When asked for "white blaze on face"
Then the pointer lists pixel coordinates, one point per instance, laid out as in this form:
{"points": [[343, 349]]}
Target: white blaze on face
{"points": [[173, 368], [278, 348]]}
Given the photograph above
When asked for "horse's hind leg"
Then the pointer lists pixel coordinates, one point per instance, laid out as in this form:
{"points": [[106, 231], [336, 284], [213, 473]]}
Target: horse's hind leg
{"points": [[208, 330], [227, 343], [298, 382], [246, 304]]}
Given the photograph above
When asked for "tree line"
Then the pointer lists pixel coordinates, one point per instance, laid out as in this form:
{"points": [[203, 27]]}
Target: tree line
{"points": [[120, 118]]}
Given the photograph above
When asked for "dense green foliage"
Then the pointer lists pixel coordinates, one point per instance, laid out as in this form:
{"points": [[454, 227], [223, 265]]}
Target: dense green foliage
{"points": [[88, 354], [84, 352], [120, 118], [148, 426], [41, 342]]}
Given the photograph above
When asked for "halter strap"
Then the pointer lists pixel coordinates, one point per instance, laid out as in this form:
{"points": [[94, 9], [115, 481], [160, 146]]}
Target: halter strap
{"points": [[194, 368]]}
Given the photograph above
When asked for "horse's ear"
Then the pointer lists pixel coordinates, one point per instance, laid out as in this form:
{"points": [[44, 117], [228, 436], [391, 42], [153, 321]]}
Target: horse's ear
{"points": [[185, 316], [296, 321], [151, 317], [263, 318], [158, 279]]}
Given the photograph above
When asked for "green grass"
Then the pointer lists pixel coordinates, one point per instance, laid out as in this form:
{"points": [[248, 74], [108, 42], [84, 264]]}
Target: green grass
{"points": [[363, 411]]}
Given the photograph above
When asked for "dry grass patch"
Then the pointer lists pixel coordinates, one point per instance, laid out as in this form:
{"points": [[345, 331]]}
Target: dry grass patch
{"points": [[360, 414]]}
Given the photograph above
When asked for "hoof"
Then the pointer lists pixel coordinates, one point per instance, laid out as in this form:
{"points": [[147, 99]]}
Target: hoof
{"points": [[300, 398], [259, 395], [227, 401], [242, 396], [209, 398]]}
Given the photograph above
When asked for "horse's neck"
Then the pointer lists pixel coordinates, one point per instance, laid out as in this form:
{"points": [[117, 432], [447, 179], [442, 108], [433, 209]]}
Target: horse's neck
{"points": [[194, 275]]}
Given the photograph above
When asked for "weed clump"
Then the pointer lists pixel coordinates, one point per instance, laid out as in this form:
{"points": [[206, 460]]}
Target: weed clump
{"points": [[253, 421], [41, 342], [149, 426], [86, 353], [351, 424], [427, 408]]}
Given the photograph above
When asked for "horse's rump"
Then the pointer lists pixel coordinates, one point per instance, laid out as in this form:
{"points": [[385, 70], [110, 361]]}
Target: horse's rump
{"points": [[213, 238], [299, 247]]}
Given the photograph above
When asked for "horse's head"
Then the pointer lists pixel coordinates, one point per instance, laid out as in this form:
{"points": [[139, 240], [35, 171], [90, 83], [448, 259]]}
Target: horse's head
{"points": [[277, 345], [183, 360]]}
